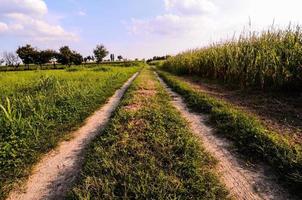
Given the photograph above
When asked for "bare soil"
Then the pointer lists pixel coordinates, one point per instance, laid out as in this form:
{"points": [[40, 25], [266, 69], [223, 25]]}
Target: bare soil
{"points": [[53, 175], [245, 182], [280, 112]]}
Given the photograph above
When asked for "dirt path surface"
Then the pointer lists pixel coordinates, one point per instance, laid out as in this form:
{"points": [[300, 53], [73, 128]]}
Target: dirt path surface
{"points": [[243, 182], [279, 112], [54, 174]]}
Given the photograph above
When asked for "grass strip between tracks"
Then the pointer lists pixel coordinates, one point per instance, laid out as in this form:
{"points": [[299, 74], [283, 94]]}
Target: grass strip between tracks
{"points": [[147, 152]]}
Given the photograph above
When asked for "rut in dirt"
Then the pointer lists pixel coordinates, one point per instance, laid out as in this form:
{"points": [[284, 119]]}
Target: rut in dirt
{"points": [[242, 181], [53, 175]]}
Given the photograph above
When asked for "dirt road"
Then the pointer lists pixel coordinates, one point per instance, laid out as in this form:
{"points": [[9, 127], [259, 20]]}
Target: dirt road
{"points": [[243, 182], [56, 171]]}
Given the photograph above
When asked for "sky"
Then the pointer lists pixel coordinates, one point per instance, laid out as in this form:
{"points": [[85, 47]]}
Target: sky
{"points": [[137, 28]]}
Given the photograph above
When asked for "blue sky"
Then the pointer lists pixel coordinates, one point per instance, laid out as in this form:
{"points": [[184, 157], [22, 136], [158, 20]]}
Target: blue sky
{"points": [[136, 28]]}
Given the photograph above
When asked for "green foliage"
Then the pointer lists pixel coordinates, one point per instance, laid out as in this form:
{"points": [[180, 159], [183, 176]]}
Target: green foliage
{"points": [[69, 57], [74, 69], [101, 69], [248, 134], [30, 55], [77, 58], [65, 56], [27, 54], [43, 57], [39, 108], [100, 52], [120, 57], [271, 60], [147, 153]]}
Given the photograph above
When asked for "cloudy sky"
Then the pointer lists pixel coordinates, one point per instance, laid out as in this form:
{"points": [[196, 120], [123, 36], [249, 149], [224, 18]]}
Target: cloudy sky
{"points": [[136, 28]]}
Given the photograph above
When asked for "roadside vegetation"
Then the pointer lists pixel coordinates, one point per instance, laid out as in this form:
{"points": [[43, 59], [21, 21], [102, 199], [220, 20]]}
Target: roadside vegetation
{"points": [[147, 152], [270, 60], [250, 137], [157, 60], [40, 108], [278, 111]]}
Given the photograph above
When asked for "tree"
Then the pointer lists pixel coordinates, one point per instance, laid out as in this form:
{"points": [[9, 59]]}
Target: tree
{"points": [[1, 61], [168, 56], [112, 57], [65, 56], [120, 57], [87, 59], [11, 59], [43, 57], [76, 58], [100, 52], [27, 54], [54, 61]]}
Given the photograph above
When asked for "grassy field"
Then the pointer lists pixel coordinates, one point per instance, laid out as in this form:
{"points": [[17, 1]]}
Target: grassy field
{"points": [[252, 138], [269, 60], [39, 108], [61, 67], [147, 152]]}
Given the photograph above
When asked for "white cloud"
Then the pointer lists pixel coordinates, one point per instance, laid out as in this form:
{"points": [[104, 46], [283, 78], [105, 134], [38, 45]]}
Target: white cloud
{"points": [[26, 18], [191, 7], [82, 13], [27, 26], [30, 7], [183, 17], [193, 23], [163, 25], [3, 27], [168, 25]]}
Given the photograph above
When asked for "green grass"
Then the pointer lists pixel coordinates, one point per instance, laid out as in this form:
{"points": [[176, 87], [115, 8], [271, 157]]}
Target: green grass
{"points": [[249, 135], [269, 60], [147, 152], [32, 67], [39, 108], [157, 63]]}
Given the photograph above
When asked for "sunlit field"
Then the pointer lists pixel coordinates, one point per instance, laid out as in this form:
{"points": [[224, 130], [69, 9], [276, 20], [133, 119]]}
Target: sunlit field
{"points": [[167, 99], [38, 108]]}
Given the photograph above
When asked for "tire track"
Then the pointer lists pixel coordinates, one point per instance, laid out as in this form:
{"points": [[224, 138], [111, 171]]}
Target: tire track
{"points": [[54, 174], [243, 182]]}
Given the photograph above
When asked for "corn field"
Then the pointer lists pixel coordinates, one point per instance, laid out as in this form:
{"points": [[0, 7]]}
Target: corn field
{"points": [[271, 59]]}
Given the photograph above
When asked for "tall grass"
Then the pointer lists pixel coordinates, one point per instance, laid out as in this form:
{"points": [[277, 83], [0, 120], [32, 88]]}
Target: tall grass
{"points": [[38, 108], [268, 60]]}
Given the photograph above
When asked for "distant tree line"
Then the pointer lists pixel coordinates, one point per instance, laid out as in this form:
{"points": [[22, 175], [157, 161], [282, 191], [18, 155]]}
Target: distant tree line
{"points": [[155, 58], [65, 56]]}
